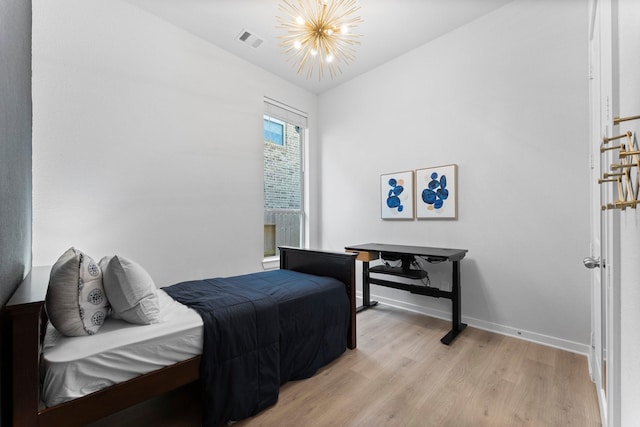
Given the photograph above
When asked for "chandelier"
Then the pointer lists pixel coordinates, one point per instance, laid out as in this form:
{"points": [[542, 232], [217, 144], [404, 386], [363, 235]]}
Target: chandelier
{"points": [[319, 34]]}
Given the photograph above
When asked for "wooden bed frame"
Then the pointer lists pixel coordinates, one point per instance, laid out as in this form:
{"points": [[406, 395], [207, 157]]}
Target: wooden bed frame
{"points": [[26, 319]]}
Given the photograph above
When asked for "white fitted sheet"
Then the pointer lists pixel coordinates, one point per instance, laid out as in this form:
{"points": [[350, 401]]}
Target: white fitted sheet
{"points": [[77, 366]]}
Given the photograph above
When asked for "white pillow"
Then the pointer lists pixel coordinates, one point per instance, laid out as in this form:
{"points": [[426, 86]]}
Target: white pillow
{"points": [[130, 289], [76, 303]]}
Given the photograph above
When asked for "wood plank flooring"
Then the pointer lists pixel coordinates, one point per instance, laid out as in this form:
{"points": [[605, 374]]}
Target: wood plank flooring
{"points": [[401, 375]]}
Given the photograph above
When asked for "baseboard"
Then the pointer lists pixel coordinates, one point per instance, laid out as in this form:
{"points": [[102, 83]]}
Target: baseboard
{"points": [[542, 339]]}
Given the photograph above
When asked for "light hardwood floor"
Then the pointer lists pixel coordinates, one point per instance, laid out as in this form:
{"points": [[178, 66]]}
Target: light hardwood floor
{"points": [[401, 375]]}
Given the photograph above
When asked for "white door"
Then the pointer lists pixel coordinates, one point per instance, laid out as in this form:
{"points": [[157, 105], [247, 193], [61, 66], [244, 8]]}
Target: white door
{"points": [[605, 366], [600, 90]]}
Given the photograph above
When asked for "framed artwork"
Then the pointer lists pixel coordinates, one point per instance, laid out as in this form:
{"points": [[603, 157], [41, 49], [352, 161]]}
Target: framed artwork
{"points": [[437, 192], [396, 195]]}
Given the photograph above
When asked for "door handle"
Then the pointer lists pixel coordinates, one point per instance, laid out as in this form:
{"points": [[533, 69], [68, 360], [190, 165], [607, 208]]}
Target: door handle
{"points": [[591, 262]]}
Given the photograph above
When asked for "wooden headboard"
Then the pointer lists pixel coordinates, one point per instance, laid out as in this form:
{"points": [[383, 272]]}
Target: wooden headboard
{"points": [[26, 318]]}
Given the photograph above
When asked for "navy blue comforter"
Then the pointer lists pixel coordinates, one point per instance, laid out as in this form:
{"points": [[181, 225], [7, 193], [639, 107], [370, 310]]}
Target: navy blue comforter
{"points": [[261, 330]]}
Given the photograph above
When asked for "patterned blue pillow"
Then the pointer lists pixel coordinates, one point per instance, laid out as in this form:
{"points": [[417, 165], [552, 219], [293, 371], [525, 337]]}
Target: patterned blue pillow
{"points": [[76, 302]]}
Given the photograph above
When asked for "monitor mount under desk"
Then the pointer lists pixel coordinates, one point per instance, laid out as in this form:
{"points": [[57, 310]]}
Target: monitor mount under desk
{"points": [[406, 254]]}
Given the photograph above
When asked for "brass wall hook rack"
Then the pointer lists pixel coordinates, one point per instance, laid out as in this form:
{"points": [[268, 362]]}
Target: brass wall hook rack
{"points": [[627, 185], [620, 147], [629, 153], [606, 140], [616, 166], [618, 120], [607, 177], [621, 205]]}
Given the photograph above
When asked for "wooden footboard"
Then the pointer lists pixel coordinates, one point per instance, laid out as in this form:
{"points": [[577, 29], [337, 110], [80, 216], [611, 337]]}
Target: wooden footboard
{"points": [[26, 320], [339, 265]]}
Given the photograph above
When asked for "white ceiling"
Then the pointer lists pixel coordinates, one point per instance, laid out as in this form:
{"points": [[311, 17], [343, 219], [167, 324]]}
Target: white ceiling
{"points": [[390, 29]]}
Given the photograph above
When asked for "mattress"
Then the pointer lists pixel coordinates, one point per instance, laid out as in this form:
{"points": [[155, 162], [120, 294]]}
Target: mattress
{"points": [[77, 366]]}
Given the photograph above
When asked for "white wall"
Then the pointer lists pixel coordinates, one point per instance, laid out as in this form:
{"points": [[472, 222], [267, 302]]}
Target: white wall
{"points": [[143, 146], [505, 98], [628, 104], [147, 142]]}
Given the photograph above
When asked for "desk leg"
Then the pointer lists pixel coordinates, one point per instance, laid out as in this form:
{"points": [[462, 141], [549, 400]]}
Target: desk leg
{"points": [[456, 312], [366, 296]]}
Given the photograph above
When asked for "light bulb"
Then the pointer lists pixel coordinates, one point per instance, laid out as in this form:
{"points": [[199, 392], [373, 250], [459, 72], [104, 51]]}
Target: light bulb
{"points": [[299, 20], [329, 58], [313, 52], [344, 29], [297, 44]]}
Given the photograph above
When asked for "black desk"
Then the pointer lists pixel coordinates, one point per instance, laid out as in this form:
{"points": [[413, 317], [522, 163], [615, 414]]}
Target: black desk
{"points": [[371, 251]]}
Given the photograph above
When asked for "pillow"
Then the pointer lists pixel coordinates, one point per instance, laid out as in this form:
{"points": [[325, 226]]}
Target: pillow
{"points": [[76, 303], [131, 291]]}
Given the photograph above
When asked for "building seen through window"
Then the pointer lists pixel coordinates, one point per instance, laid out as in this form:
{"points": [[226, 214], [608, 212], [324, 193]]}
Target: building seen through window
{"points": [[283, 185]]}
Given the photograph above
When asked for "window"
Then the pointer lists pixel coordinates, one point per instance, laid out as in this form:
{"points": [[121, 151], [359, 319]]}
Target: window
{"points": [[273, 130], [284, 138]]}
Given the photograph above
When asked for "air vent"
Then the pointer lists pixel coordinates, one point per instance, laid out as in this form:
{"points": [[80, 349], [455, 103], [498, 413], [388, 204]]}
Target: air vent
{"points": [[249, 38]]}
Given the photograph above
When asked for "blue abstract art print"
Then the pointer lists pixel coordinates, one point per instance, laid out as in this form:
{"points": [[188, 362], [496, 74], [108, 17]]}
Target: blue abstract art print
{"points": [[436, 192], [396, 195]]}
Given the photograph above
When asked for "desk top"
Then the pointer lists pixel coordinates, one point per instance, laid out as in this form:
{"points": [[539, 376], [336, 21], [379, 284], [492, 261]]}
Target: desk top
{"points": [[443, 253]]}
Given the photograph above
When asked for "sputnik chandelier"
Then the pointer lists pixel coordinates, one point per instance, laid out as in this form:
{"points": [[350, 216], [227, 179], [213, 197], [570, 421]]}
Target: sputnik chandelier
{"points": [[319, 34]]}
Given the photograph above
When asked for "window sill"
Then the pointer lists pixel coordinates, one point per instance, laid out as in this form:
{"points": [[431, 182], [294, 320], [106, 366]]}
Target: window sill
{"points": [[271, 263]]}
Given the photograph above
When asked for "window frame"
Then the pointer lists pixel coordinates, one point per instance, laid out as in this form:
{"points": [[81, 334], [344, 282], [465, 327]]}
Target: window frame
{"points": [[278, 112]]}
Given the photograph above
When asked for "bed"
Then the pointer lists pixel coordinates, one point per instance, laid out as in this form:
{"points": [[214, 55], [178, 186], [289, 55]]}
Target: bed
{"points": [[26, 319]]}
